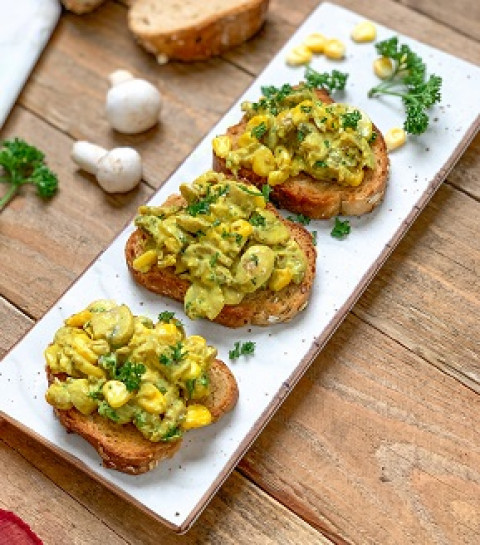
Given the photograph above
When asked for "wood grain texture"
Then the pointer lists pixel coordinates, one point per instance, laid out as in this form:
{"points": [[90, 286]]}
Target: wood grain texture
{"points": [[366, 437], [378, 443], [87, 512]]}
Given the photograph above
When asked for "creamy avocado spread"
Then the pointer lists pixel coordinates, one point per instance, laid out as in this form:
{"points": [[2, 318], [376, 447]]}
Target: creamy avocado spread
{"points": [[223, 241], [129, 369], [291, 131]]}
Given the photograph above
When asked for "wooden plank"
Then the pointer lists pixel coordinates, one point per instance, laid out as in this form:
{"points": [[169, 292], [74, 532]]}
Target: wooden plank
{"points": [[46, 245], [69, 85], [465, 16], [285, 16], [465, 175], [426, 295], [374, 445], [239, 514], [14, 325]]}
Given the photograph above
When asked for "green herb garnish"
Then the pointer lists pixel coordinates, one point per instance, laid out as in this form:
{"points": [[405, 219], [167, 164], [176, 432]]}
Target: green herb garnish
{"points": [[409, 82], [314, 237], [299, 218], [259, 130], [351, 119], [330, 81], [242, 349], [341, 229], [25, 164], [175, 356], [257, 220], [131, 374]]}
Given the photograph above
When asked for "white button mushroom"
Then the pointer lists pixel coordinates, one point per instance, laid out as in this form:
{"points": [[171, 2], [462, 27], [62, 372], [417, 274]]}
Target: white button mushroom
{"points": [[133, 105], [117, 171]]}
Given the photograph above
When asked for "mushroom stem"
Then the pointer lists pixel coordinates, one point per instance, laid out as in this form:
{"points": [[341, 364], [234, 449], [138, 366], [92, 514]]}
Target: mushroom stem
{"points": [[87, 155]]}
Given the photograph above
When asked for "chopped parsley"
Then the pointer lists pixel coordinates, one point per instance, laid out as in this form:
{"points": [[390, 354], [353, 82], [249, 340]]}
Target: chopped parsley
{"points": [[202, 206], [241, 349], [299, 218], [259, 130], [214, 259], [341, 229], [175, 356], [257, 220], [314, 237], [351, 119], [172, 434], [105, 410], [320, 164], [330, 81], [131, 374]]}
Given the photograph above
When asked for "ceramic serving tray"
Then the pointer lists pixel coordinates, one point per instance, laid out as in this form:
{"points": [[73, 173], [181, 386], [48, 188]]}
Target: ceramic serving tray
{"points": [[178, 490]]}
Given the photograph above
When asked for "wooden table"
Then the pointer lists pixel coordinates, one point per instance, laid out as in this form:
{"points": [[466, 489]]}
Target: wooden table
{"points": [[379, 442]]}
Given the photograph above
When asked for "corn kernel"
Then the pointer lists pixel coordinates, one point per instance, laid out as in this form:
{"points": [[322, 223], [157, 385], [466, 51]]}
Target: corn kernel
{"points": [[197, 340], [116, 393], [192, 372], [222, 145], [168, 333], [262, 161], [334, 49], [279, 279], [364, 32], [242, 227], [315, 42], [277, 177], [394, 138], [144, 262], [79, 319], [300, 54], [196, 417], [246, 139], [151, 399], [256, 120], [383, 67]]}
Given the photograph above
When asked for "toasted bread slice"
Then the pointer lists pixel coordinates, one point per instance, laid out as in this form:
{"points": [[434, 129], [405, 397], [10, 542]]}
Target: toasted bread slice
{"points": [[319, 199], [263, 307], [123, 447], [191, 30]]}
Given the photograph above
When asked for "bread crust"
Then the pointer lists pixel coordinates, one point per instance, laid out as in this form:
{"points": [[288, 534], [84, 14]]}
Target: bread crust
{"points": [[199, 41], [82, 6], [318, 199], [263, 307], [123, 447]]}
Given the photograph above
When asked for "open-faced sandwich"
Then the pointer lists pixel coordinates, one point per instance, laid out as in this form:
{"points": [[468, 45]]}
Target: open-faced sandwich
{"points": [[321, 158], [132, 388], [224, 251]]}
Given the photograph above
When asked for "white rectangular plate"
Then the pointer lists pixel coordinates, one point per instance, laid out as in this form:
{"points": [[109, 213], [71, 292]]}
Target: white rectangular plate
{"points": [[178, 490]]}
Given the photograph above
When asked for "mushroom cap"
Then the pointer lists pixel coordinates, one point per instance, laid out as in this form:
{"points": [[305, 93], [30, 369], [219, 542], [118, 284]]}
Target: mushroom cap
{"points": [[133, 106], [120, 170]]}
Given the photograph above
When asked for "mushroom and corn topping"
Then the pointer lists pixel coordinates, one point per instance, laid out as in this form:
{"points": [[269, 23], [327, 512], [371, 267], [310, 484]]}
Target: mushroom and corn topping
{"points": [[223, 240], [291, 131], [129, 369]]}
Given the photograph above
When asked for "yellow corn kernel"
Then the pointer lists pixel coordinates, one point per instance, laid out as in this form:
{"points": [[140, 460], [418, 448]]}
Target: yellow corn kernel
{"points": [[242, 227], [196, 417], [383, 67], [259, 202], [262, 161], [151, 399], [222, 145], [116, 393], [364, 32], [394, 138], [315, 42], [277, 177], [197, 340], [256, 120], [279, 279], [194, 371], [355, 178], [79, 319], [246, 140], [334, 49], [168, 333], [80, 345], [300, 54], [144, 262]]}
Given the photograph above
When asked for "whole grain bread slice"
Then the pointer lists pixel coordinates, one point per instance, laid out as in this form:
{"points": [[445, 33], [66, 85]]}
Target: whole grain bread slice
{"points": [[263, 307], [191, 30], [319, 199], [123, 447]]}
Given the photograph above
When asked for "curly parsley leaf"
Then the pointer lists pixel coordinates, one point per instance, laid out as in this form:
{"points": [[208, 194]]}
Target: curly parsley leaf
{"points": [[131, 374], [408, 81], [299, 218], [341, 229], [335, 80], [259, 130], [25, 164], [351, 119], [241, 349]]}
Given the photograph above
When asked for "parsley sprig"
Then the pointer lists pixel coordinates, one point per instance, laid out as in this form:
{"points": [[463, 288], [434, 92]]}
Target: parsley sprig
{"points": [[129, 373], [341, 229], [409, 82], [25, 164], [334, 80], [241, 349], [202, 206]]}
